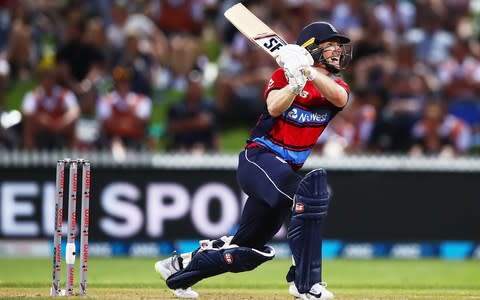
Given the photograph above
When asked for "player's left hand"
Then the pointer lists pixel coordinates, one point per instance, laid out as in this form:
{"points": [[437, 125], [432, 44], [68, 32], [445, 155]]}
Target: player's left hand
{"points": [[296, 81]]}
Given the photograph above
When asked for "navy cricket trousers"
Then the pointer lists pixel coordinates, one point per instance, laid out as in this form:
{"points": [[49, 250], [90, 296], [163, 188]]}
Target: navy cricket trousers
{"points": [[270, 184]]}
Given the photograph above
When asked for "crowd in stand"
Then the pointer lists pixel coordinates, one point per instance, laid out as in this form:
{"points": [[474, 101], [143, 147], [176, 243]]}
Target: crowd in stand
{"points": [[118, 74]]}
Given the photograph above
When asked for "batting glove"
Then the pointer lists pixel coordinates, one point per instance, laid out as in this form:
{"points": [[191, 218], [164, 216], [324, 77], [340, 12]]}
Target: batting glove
{"points": [[293, 54], [296, 81]]}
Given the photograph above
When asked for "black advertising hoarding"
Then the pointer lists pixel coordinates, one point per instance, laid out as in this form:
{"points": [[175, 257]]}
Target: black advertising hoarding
{"points": [[138, 204], [145, 204], [394, 206]]}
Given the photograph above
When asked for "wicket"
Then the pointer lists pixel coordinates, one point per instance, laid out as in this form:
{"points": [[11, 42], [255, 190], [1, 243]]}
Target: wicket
{"points": [[73, 166]]}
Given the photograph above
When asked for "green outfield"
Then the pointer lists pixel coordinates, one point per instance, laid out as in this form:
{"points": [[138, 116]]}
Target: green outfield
{"points": [[128, 278]]}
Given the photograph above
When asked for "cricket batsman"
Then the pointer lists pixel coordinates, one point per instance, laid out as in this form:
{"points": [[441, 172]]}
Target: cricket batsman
{"points": [[301, 98]]}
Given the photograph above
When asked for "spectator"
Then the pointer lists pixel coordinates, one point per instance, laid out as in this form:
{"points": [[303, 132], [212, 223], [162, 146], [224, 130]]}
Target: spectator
{"points": [[5, 25], [460, 79], [79, 63], [7, 139], [95, 36], [50, 113], [439, 133], [4, 75], [395, 16], [350, 132], [124, 114], [191, 122], [115, 29], [239, 89], [372, 56], [180, 16], [184, 54], [20, 46], [374, 40], [339, 138], [347, 17], [138, 44], [432, 41], [362, 114], [407, 82], [138, 63], [46, 23]]}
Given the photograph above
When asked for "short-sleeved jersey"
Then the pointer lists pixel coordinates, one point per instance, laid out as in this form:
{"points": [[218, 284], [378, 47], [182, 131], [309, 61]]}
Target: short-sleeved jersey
{"points": [[55, 105], [112, 103], [124, 112], [293, 134]]}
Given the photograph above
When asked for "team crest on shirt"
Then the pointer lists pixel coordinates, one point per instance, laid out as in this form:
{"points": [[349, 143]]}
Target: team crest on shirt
{"points": [[228, 258], [270, 83], [299, 208], [303, 94]]}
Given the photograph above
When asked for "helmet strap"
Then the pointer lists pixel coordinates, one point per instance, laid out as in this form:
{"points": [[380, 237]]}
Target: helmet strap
{"points": [[330, 68]]}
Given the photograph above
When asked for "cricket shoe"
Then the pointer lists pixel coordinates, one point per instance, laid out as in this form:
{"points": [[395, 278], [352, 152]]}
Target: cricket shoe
{"points": [[169, 266], [318, 291], [186, 293], [172, 265]]}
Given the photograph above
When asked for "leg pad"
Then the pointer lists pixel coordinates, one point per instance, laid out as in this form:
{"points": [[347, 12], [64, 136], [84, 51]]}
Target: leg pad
{"points": [[306, 228], [211, 262]]}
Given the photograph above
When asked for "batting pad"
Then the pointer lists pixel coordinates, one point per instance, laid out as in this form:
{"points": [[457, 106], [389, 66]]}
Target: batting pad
{"points": [[306, 228]]}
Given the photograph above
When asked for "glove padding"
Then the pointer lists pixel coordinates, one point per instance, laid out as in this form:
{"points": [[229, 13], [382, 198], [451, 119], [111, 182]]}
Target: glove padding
{"points": [[296, 81], [296, 61], [293, 56]]}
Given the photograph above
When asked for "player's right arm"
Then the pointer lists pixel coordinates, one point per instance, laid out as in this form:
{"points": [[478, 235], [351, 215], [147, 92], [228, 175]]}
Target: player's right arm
{"points": [[282, 89], [279, 101]]}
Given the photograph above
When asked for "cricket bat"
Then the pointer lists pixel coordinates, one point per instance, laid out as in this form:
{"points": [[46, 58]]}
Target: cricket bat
{"points": [[254, 29]]}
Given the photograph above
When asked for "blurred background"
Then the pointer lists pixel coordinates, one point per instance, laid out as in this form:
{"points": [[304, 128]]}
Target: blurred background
{"points": [[160, 96]]}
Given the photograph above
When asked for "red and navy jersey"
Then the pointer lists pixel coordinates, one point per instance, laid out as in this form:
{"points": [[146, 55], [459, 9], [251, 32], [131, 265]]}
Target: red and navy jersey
{"points": [[293, 134]]}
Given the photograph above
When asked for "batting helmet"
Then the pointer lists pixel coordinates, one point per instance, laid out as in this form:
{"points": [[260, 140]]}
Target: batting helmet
{"points": [[316, 33]]}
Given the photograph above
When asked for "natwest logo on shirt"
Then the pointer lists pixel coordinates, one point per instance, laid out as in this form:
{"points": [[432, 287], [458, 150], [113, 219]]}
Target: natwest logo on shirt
{"points": [[302, 116]]}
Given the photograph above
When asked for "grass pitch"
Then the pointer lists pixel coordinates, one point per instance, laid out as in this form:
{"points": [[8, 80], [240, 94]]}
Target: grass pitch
{"points": [[129, 278]]}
